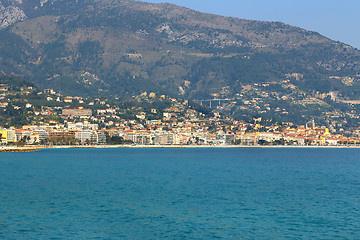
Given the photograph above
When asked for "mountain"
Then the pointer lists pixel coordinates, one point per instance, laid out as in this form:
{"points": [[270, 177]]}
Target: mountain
{"points": [[124, 47]]}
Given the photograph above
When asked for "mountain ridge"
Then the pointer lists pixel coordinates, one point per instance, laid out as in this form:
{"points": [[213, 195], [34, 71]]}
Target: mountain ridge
{"points": [[161, 47]]}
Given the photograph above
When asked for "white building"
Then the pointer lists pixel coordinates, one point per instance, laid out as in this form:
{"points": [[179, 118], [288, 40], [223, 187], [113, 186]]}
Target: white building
{"points": [[11, 136], [82, 127], [91, 137], [83, 136]]}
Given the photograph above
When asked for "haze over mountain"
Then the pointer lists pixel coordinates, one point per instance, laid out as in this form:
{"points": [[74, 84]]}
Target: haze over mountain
{"points": [[120, 48]]}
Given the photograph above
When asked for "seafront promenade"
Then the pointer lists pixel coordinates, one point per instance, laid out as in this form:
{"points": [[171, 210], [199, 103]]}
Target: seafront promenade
{"points": [[20, 149], [41, 147]]}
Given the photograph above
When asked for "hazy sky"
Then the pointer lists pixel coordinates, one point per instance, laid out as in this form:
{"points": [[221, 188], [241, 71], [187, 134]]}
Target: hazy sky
{"points": [[336, 19]]}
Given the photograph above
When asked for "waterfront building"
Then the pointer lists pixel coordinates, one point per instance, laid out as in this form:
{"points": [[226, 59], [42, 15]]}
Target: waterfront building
{"points": [[100, 137], [3, 136], [22, 135], [83, 136], [91, 137], [164, 139], [139, 138], [61, 134], [40, 134], [11, 136]]}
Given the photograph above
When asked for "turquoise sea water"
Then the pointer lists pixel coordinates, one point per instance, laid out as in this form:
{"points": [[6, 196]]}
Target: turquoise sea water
{"points": [[180, 194]]}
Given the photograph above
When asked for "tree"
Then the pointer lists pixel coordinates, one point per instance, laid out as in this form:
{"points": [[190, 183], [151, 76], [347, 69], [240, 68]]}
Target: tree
{"points": [[263, 142], [116, 140]]}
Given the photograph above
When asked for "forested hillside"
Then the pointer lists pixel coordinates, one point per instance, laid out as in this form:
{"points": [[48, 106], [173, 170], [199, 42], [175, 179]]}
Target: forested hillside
{"points": [[123, 48]]}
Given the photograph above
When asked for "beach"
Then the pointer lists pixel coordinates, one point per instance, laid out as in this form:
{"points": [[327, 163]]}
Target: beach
{"points": [[39, 147]]}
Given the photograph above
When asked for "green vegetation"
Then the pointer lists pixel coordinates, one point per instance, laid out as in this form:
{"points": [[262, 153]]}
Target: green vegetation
{"points": [[131, 51], [122, 49], [115, 140]]}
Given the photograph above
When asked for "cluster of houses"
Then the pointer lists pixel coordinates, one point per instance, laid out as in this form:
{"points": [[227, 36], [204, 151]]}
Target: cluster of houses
{"points": [[186, 133], [177, 124]]}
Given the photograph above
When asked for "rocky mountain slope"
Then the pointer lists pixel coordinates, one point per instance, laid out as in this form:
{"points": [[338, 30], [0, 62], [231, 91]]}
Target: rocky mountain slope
{"points": [[120, 48]]}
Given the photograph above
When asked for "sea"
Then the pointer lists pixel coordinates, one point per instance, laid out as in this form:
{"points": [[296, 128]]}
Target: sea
{"points": [[181, 193]]}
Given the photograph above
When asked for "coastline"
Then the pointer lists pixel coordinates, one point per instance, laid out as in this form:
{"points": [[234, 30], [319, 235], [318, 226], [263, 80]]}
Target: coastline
{"points": [[41, 147], [190, 146], [20, 149]]}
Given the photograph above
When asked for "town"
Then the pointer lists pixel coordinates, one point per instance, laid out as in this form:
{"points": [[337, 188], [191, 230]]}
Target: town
{"points": [[54, 119]]}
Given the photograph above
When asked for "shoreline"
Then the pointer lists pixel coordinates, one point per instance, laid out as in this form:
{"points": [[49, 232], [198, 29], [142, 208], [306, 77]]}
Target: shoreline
{"points": [[20, 149], [185, 146], [190, 146], [41, 147]]}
